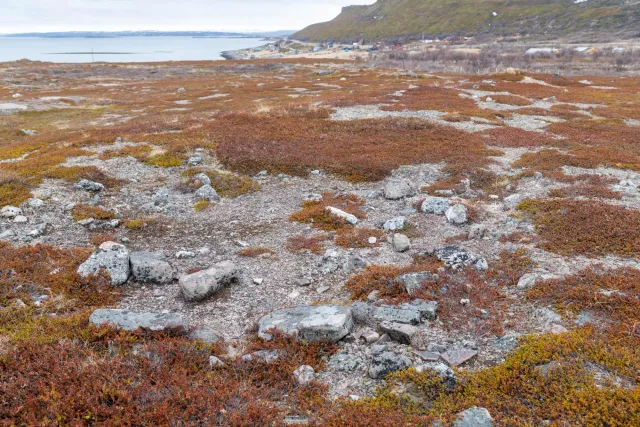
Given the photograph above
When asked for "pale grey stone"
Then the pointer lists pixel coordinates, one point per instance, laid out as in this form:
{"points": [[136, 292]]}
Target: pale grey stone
{"points": [[309, 323], [394, 224], [413, 281], [203, 284], [512, 201], [206, 192], [129, 320], [87, 185], [113, 258], [400, 243], [456, 214], [349, 218], [398, 189], [400, 332], [10, 211], [304, 375], [373, 315]]}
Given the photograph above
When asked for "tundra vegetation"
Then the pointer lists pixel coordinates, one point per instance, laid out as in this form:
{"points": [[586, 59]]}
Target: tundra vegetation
{"points": [[517, 194]]}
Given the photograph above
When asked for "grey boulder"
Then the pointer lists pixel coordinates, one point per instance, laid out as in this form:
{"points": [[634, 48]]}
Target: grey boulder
{"points": [[309, 323], [113, 258], [400, 242], [456, 214], [400, 332], [385, 362], [413, 281], [435, 205], [129, 320], [150, 267], [87, 185], [203, 284], [398, 189], [394, 224]]}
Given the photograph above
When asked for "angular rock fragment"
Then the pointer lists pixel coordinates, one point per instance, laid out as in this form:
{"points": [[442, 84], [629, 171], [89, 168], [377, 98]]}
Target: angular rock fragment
{"points": [[400, 332], [351, 219], [87, 185], [385, 362], [206, 192], [455, 357], [373, 315], [456, 214], [398, 189]]}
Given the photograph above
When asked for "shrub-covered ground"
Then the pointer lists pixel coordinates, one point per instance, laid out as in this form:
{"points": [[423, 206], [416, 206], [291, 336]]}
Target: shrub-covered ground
{"points": [[548, 169]]}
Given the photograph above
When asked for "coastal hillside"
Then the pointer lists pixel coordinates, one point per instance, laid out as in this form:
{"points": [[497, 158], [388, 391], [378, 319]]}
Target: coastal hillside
{"points": [[411, 19]]}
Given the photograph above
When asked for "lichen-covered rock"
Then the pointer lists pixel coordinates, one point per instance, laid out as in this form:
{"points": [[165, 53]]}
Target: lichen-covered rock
{"points": [[113, 258], [400, 332], [206, 192], [129, 320], [398, 189], [150, 267], [385, 362], [394, 224], [87, 185], [309, 323], [474, 417], [373, 315], [413, 281], [10, 211], [203, 284], [457, 214], [435, 205], [304, 375]]}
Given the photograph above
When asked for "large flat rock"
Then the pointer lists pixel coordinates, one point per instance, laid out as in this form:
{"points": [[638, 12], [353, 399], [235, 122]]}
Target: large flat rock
{"points": [[129, 320], [309, 323]]}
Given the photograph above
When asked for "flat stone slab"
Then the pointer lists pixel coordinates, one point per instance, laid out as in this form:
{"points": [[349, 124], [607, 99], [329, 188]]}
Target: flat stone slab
{"points": [[400, 332], [458, 357], [309, 323], [129, 320], [428, 356], [373, 315]]}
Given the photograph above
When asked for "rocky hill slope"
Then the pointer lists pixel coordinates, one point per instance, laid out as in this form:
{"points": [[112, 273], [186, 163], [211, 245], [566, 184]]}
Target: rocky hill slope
{"points": [[406, 19]]}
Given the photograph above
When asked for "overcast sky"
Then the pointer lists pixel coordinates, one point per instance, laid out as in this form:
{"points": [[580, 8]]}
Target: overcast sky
{"points": [[116, 15]]}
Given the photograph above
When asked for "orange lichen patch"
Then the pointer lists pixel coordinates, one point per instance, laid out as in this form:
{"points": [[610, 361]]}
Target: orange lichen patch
{"points": [[255, 251], [611, 294], [511, 100], [590, 228], [316, 212], [358, 237], [301, 243], [357, 150]]}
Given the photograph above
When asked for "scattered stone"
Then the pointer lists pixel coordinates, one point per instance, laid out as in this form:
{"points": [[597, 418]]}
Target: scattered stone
{"points": [[10, 212], [206, 192], [258, 280], [203, 284], [295, 420], [398, 189], [400, 332], [354, 262], [161, 197], [304, 375], [372, 240], [426, 309], [400, 243], [394, 224], [457, 214], [454, 257], [309, 323], [87, 185], [322, 289], [474, 417], [150, 267], [20, 219], [29, 132], [351, 219], [194, 160], [385, 362], [129, 320], [481, 264], [435, 205], [181, 90], [455, 357], [7, 234], [113, 258], [35, 203]]}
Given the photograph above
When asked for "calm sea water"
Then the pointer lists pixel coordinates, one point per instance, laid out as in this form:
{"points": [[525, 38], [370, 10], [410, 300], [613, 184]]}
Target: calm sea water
{"points": [[121, 49]]}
